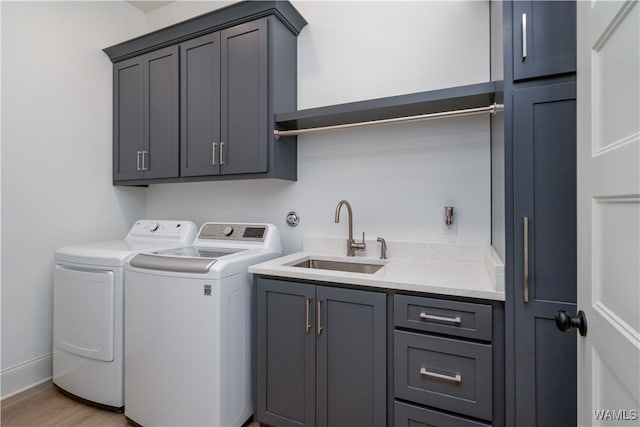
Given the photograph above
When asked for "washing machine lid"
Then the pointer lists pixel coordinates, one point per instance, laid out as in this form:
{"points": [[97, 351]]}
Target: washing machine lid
{"points": [[190, 259]]}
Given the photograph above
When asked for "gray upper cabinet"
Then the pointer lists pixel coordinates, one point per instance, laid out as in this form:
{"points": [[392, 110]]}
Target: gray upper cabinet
{"points": [[146, 116], [544, 41], [245, 133], [128, 128], [200, 106], [196, 101], [321, 355], [224, 102]]}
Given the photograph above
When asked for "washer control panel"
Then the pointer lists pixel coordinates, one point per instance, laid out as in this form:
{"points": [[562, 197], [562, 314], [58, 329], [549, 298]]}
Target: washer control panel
{"points": [[243, 232], [150, 229]]}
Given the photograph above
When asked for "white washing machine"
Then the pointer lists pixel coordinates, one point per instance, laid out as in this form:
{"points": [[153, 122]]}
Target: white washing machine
{"points": [[188, 328], [88, 310]]}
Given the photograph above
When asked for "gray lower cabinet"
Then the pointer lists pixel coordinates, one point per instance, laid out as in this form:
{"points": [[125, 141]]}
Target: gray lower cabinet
{"points": [[447, 362], [145, 125], [320, 355], [408, 415]]}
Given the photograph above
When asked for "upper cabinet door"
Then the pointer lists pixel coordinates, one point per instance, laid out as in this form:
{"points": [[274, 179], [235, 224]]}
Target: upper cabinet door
{"points": [[544, 38], [128, 113], [244, 98], [200, 106], [161, 151]]}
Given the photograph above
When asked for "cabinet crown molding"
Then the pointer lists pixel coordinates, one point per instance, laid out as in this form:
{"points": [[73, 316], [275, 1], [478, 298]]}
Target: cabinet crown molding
{"points": [[216, 20]]}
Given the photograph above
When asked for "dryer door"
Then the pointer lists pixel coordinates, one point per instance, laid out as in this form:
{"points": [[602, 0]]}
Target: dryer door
{"points": [[83, 312]]}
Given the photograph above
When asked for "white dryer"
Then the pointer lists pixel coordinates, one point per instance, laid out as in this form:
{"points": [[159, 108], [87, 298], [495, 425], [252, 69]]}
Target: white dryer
{"points": [[88, 309], [188, 328]]}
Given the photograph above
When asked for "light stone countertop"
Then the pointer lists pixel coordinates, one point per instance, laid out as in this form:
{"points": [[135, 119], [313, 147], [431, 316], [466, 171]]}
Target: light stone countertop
{"points": [[473, 271]]}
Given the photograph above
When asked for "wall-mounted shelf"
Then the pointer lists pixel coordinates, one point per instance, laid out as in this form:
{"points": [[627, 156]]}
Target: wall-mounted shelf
{"points": [[462, 100]]}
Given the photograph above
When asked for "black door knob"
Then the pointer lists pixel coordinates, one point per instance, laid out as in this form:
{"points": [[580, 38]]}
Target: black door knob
{"points": [[564, 321]]}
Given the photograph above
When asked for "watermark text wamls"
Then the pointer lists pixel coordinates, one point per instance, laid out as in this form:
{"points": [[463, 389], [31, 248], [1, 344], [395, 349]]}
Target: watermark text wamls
{"points": [[615, 414]]}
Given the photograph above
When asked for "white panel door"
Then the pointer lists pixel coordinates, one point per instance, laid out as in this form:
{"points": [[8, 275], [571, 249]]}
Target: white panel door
{"points": [[83, 312], [609, 211]]}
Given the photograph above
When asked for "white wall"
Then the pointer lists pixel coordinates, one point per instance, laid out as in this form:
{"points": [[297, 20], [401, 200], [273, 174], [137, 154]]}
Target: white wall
{"points": [[56, 161], [398, 178]]}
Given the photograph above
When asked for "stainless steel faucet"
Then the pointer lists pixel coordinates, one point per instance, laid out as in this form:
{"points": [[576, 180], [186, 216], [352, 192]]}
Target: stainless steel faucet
{"points": [[352, 245]]}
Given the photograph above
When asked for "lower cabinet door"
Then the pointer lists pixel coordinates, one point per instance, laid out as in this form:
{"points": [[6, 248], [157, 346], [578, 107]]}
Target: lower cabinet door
{"points": [[415, 416], [321, 355], [351, 363], [285, 353]]}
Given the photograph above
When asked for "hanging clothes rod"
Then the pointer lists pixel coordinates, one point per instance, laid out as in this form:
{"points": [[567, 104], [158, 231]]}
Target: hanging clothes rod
{"points": [[492, 109]]}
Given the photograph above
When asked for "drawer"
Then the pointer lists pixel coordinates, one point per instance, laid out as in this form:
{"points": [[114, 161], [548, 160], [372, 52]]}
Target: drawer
{"points": [[462, 319], [415, 416], [444, 373]]}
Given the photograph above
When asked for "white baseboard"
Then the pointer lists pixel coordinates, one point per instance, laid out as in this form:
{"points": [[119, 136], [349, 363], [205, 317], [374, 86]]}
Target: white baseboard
{"points": [[25, 375]]}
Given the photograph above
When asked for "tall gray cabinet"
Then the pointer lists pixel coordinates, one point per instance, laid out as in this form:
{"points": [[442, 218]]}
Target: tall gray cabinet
{"points": [[195, 101], [321, 355], [540, 165]]}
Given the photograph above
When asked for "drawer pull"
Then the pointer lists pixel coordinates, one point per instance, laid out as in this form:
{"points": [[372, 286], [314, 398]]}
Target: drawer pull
{"points": [[456, 379], [455, 320]]}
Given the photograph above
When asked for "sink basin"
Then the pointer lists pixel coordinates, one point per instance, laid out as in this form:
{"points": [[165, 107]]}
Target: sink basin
{"points": [[351, 267]]}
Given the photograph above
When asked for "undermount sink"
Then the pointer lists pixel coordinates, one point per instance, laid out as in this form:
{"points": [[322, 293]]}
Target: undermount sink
{"points": [[351, 267]]}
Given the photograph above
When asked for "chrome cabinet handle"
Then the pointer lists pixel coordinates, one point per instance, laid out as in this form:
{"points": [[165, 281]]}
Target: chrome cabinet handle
{"points": [[525, 250], [524, 36], [138, 168], [213, 153], [144, 153], [455, 320], [307, 326], [456, 379], [319, 327], [222, 144]]}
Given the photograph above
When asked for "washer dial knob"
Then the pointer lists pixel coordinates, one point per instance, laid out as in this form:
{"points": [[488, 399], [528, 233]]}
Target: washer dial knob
{"points": [[153, 227], [228, 231]]}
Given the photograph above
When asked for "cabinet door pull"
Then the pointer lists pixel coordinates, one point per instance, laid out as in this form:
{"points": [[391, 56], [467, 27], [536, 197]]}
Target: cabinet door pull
{"points": [[456, 379], [138, 168], [524, 36], [213, 154], [144, 153], [525, 250], [455, 320], [222, 144], [319, 326], [307, 326]]}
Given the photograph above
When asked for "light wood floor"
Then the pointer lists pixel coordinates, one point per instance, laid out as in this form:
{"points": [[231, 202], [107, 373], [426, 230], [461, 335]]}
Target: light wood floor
{"points": [[44, 405]]}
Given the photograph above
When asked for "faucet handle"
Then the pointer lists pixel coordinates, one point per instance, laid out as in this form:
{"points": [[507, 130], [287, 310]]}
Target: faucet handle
{"points": [[359, 246]]}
